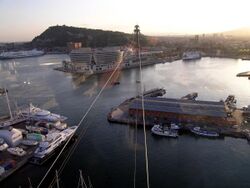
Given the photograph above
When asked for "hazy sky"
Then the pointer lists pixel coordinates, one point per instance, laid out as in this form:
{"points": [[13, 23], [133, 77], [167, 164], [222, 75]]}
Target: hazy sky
{"points": [[22, 20]]}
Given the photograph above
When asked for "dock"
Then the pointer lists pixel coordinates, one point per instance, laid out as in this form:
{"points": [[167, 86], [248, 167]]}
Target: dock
{"points": [[222, 116], [16, 162]]}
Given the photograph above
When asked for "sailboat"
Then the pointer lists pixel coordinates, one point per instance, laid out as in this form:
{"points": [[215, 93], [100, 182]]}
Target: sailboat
{"points": [[13, 119]]}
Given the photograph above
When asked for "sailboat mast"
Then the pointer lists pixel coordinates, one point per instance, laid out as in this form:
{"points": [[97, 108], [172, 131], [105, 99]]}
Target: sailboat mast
{"points": [[57, 180], [8, 103]]}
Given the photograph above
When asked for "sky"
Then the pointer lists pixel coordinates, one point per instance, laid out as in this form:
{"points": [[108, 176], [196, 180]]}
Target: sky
{"points": [[22, 20]]}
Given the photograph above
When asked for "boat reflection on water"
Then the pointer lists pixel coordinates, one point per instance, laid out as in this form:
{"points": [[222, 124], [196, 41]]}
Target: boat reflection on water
{"points": [[9, 66]]}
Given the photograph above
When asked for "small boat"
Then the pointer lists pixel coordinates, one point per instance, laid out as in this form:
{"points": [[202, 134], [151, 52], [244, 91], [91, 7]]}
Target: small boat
{"points": [[174, 126], [161, 131], [37, 129], [29, 142], [60, 125], [3, 144], [16, 151], [35, 136], [200, 132]]}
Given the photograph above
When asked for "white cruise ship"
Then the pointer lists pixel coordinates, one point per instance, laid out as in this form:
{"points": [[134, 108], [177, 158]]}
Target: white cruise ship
{"points": [[91, 61], [21, 54], [192, 55]]}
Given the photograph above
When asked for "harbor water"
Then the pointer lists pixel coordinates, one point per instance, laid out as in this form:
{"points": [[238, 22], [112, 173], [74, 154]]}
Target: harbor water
{"points": [[106, 151]]}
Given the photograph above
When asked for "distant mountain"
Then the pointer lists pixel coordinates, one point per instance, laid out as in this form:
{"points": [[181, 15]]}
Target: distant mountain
{"points": [[241, 32], [58, 36]]}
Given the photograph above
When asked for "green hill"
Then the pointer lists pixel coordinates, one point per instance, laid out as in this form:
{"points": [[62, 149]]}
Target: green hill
{"points": [[58, 36]]}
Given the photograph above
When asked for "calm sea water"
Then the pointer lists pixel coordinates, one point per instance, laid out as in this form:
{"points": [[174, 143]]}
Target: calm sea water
{"points": [[106, 151]]}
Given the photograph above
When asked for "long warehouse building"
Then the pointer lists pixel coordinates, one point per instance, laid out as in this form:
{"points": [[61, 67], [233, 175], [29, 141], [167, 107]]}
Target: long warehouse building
{"points": [[178, 110]]}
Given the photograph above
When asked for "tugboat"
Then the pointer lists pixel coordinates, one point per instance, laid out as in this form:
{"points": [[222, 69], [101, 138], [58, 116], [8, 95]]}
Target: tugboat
{"points": [[16, 151], [200, 132], [161, 131]]}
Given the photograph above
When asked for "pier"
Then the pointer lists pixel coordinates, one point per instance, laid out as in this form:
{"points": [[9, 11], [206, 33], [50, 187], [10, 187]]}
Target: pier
{"points": [[222, 117]]}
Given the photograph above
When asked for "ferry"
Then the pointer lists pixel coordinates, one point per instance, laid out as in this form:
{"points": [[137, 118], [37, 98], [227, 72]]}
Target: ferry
{"points": [[21, 54], [161, 131], [38, 114], [16, 151], [200, 132], [192, 55], [3, 144]]}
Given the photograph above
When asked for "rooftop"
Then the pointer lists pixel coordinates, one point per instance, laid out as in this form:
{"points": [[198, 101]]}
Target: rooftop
{"points": [[189, 107]]}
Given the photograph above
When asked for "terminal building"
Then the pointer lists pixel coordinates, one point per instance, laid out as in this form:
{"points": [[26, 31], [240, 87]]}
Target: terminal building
{"points": [[179, 110]]}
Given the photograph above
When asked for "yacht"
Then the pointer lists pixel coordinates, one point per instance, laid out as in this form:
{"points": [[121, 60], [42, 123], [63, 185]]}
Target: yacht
{"points": [[60, 125], [16, 151], [200, 132], [38, 114], [29, 142], [14, 118], [53, 141], [174, 126], [161, 131], [3, 144], [21, 54], [37, 129], [192, 55]]}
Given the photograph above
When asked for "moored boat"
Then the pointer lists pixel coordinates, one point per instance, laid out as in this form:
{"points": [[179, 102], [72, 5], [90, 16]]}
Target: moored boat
{"points": [[38, 114], [36, 129], [29, 142], [200, 132], [16, 151], [3, 144], [161, 131], [53, 141], [174, 126]]}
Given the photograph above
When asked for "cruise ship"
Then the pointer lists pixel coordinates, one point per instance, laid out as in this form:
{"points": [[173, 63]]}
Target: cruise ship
{"points": [[21, 54], [91, 61], [192, 55]]}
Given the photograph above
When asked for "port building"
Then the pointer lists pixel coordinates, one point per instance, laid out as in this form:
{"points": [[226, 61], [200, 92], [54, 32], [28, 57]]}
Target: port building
{"points": [[179, 110]]}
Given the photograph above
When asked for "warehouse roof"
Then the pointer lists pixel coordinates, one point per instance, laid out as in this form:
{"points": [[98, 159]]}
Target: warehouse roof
{"points": [[189, 107]]}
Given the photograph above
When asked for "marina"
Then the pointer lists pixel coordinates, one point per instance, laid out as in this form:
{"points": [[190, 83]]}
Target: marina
{"points": [[113, 139], [27, 141]]}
